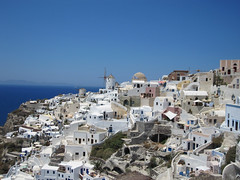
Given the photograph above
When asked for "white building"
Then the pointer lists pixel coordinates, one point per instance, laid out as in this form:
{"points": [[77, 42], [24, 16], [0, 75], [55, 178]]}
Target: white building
{"points": [[191, 163], [89, 135], [49, 172], [69, 170], [110, 82], [161, 103], [143, 113], [232, 117], [198, 138]]}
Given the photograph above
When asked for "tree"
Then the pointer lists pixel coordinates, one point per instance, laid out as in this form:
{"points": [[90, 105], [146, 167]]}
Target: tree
{"points": [[152, 163]]}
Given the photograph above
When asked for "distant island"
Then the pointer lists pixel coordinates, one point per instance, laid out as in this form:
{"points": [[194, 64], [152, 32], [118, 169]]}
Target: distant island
{"points": [[31, 83]]}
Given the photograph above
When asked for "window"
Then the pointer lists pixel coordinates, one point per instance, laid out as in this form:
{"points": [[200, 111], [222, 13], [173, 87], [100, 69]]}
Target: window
{"points": [[53, 172], [76, 139], [76, 153], [47, 172], [215, 121], [156, 103], [205, 141], [194, 138], [232, 123], [84, 153], [95, 141], [228, 115], [206, 79]]}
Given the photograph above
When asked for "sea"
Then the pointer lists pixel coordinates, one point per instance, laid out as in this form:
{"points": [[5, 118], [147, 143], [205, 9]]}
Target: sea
{"points": [[12, 96]]}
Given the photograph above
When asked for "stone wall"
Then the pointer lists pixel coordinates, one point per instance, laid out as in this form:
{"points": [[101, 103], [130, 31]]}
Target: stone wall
{"points": [[143, 130]]}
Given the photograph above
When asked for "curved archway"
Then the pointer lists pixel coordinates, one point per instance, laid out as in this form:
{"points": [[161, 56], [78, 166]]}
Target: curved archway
{"points": [[118, 170], [126, 150], [125, 102], [160, 138]]}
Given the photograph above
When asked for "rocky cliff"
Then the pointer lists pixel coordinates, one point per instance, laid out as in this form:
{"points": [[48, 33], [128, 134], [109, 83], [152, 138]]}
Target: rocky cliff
{"points": [[15, 118]]}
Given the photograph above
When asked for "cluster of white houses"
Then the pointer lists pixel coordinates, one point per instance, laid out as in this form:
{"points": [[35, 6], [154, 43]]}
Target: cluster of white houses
{"points": [[198, 107]]}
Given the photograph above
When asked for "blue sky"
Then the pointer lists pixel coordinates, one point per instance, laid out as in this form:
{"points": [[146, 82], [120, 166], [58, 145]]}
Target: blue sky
{"points": [[72, 41]]}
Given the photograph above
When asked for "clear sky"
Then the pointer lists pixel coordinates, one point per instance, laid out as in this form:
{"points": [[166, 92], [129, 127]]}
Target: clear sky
{"points": [[71, 41]]}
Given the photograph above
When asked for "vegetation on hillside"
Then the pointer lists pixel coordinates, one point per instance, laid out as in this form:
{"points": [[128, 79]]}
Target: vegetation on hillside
{"points": [[230, 156], [153, 163], [7, 148], [108, 147], [217, 142]]}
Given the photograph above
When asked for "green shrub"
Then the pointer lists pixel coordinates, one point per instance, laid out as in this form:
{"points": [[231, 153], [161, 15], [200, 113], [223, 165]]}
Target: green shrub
{"points": [[231, 155], [217, 141], [108, 147], [98, 166], [152, 163]]}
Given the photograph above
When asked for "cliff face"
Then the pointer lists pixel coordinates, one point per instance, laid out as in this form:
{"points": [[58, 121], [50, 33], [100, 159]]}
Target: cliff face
{"points": [[15, 118]]}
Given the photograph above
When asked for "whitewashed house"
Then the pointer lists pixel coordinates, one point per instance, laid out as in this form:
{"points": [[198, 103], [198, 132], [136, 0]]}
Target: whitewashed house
{"points": [[69, 170], [48, 172], [232, 117], [143, 114]]}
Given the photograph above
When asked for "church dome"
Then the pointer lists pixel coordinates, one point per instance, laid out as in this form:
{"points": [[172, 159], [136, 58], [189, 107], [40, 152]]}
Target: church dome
{"points": [[139, 76]]}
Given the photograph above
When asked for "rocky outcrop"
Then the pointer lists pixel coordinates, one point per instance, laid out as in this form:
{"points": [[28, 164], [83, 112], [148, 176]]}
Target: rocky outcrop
{"points": [[16, 118], [133, 176], [133, 155], [143, 130], [207, 177]]}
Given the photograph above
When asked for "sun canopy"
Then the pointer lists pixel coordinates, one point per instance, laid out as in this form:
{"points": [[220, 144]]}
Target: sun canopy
{"points": [[170, 115], [197, 101]]}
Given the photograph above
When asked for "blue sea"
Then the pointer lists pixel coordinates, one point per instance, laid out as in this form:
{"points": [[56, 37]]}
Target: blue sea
{"points": [[12, 96]]}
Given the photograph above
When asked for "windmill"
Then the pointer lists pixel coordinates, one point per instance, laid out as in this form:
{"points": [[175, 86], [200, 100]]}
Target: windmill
{"points": [[104, 77]]}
